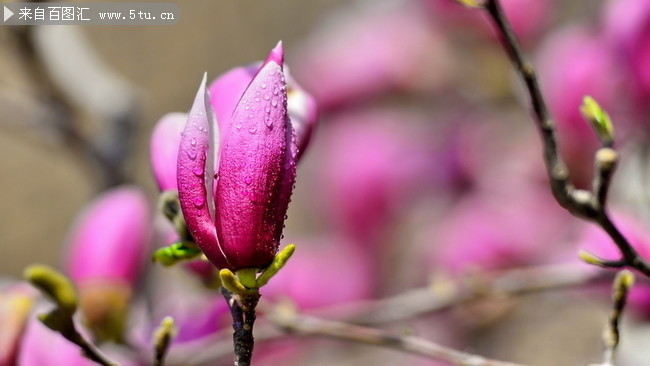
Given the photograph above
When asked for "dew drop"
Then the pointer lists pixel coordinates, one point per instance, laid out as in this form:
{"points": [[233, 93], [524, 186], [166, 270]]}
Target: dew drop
{"points": [[267, 109], [191, 154], [248, 180], [238, 126], [257, 99], [198, 171], [199, 201], [276, 92], [266, 97], [252, 130], [263, 85], [193, 142], [274, 103], [250, 116], [268, 121]]}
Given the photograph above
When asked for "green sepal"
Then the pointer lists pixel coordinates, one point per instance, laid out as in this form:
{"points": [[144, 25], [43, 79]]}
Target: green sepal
{"points": [[598, 119], [175, 253], [471, 3], [230, 281], [278, 262]]}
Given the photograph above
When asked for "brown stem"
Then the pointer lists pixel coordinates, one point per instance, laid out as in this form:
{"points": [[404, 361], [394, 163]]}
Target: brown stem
{"points": [[242, 310], [590, 206]]}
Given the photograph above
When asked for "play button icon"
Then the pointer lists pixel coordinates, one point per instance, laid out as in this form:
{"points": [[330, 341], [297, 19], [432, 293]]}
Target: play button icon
{"points": [[8, 13]]}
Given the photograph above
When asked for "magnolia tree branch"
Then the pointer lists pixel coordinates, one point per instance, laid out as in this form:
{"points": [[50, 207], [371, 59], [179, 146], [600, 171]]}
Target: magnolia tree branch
{"points": [[589, 205], [292, 322], [408, 305], [513, 282]]}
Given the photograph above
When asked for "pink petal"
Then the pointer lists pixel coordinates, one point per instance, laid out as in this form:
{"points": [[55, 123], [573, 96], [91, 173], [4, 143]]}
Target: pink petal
{"points": [[195, 176], [303, 112], [257, 162], [165, 139], [111, 237], [226, 91], [44, 347], [15, 305]]}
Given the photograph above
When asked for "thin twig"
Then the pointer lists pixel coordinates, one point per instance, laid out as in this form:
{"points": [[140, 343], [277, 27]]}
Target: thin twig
{"points": [[611, 336], [590, 206], [405, 306], [514, 282], [292, 322], [88, 349]]}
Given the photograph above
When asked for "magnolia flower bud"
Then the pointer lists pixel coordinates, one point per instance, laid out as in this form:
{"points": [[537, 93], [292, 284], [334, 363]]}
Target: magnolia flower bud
{"points": [[235, 177], [107, 249]]}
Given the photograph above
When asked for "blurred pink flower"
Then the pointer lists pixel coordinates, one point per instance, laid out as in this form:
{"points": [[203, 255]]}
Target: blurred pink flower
{"points": [[237, 219], [165, 140], [107, 250], [574, 62], [111, 238], [528, 17], [594, 240], [323, 272], [15, 305], [379, 167], [482, 233], [41, 346], [358, 54], [627, 27]]}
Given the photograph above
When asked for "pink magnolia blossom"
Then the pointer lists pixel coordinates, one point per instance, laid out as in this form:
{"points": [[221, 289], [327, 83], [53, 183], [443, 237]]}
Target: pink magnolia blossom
{"points": [[482, 233], [358, 54], [235, 189], [111, 238], [379, 167], [15, 305], [42, 346], [627, 27], [528, 17], [225, 92], [165, 140]]}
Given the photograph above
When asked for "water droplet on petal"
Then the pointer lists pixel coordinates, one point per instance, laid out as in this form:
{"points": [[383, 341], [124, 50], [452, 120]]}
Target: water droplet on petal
{"points": [[266, 97], [263, 85], [248, 180], [198, 171], [274, 103], [191, 154], [199, 201], [193, 142], [252, 130], [238, 126]]}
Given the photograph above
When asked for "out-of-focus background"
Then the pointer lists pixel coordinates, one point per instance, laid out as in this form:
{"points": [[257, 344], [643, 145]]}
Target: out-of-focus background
{"points": [[425, 166]]}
